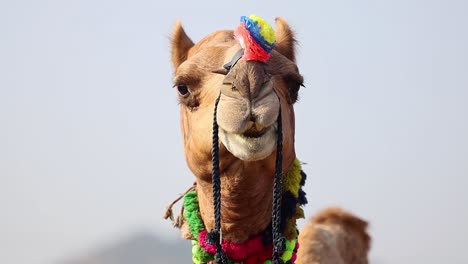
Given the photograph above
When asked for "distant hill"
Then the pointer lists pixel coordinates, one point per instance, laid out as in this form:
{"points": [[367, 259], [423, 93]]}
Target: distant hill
{"points": [[142, 248]]}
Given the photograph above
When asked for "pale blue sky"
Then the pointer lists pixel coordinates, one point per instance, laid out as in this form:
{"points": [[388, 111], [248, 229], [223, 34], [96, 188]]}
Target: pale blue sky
{"points": [[90, 148]]}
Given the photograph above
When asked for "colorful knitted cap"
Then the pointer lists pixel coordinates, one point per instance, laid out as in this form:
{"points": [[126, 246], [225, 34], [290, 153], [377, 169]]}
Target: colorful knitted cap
{"points": [[256, 37]]}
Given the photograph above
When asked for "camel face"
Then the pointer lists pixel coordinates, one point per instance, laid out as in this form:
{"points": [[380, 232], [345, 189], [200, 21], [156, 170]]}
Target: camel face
{"points": [[248, 111], [251, 96]]}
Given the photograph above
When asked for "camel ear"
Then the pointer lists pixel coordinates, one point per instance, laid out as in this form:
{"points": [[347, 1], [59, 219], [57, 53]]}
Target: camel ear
{"points": [[285, 40], [180, 45]]}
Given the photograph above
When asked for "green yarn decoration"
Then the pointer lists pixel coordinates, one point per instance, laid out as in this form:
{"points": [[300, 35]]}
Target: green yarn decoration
{"points": [[192, 213], [195, 223], [199, 255], [287, 254]]}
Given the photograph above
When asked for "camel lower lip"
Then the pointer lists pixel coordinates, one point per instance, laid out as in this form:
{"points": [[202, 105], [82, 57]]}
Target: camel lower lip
{"points": [[246, 147]]}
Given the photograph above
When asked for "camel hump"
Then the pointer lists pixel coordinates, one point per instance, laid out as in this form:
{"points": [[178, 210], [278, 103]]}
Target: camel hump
{"points": [[334, 236]]}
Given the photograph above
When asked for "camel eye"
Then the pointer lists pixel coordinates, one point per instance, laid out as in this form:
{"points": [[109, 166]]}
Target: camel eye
{"points": [[294, 83], [183, 90]]}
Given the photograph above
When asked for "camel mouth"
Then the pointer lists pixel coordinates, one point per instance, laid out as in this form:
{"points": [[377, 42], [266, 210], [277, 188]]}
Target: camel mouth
{"points": [[254, 133], [250, 145]]}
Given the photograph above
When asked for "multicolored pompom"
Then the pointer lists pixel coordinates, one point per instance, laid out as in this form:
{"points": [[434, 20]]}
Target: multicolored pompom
{"points": [[256, 37]]}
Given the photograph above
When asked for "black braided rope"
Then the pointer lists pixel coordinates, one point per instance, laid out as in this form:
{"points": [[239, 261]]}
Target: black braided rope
{"points": [[278, 239], [214, 236]]}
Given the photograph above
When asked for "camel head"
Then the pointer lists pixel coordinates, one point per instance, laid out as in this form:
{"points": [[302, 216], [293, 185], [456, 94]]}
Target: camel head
{"points": [[251, 94]]}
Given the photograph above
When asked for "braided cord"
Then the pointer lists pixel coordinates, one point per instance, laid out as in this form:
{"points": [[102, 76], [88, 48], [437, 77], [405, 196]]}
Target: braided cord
{"points": [[278, 239], [215, 233], [214, 236]]}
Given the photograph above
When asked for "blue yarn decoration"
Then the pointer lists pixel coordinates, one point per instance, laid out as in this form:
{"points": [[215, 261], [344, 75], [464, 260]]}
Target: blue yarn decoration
{"points": [[255, 31]]}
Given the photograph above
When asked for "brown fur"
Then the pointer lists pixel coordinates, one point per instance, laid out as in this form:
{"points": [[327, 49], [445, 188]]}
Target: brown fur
{"points": [[285, 40], [181, 43], [334, 236], [246, 185]]}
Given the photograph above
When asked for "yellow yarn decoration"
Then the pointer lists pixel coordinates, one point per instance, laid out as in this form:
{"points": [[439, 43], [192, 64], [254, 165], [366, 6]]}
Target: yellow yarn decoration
{"points": [[292, 179], [266, 30]]}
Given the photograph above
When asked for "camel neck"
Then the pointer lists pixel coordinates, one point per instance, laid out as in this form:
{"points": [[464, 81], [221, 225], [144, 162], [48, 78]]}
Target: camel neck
{"points": [[246, 200], [235, 221]]}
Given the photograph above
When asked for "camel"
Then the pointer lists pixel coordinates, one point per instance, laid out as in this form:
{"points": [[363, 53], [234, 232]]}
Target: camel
{"points": [[253, 104]]}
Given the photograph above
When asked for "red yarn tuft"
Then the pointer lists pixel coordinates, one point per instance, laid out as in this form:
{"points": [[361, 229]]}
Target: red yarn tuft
{"points": [[252, 50], [202, 240], [261, 256], [293, 257], [250, 249]]}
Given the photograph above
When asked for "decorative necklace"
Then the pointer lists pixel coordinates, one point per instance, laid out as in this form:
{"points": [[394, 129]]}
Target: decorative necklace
{"points": [[254, 250]]}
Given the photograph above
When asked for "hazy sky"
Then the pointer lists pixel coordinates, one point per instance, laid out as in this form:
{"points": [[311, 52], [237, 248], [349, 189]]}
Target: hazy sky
{"points": [[90, 148]]}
